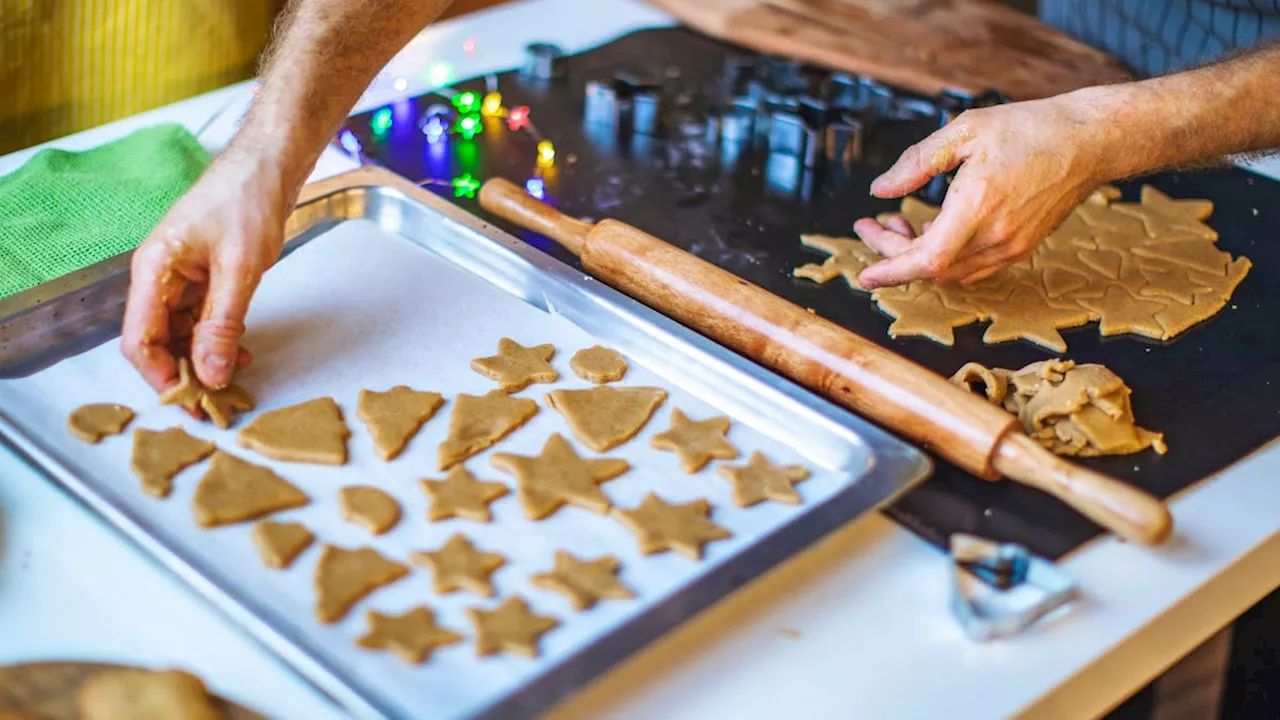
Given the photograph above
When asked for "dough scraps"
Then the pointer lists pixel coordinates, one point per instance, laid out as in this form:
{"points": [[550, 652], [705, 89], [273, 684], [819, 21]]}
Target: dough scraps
{"points": [[598, 364], [660, 526], [343, 577], [280, 543], [761, 480], [477, 422], [369, 507], [234, 491], [413, 636], [584, 582], [138, 694], [91, 423], [310, 432], [220, 406], [159, 456], [559, 476], [1070, 409], [512, 628], [696, 441], [1150, 268], [515, 367], [460, 566], [605, 417], [461, 495], [395, 416]]}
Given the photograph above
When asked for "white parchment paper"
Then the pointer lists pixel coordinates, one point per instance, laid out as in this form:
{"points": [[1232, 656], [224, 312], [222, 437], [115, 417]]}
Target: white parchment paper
{"points": [[361, 308]]}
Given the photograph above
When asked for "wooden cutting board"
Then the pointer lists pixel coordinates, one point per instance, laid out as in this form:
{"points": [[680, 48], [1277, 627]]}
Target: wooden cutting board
{"points": [[921, 45], [47, 691]]}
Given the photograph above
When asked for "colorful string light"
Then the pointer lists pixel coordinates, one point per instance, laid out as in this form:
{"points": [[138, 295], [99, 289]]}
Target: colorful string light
{"points": [[468, 126], [546, 153], [465, 186], [439, 74], [435, 128], [381, 121], [518, 118], [467, 102], [537, 188], [492, 105]]}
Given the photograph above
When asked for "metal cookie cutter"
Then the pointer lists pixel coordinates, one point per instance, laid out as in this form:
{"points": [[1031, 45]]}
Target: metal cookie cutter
{"points": [[1001, 589]]}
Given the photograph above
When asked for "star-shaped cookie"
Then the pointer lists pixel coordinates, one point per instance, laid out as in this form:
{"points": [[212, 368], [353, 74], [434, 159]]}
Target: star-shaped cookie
{"points": [[343, 577], [559, 476], [660, 526], [460, 566], [220, 406], [1121, 312], [761, 480], [584, 582], [848, 259], [696, 441], [515, 367], [512, 628], [923, 313], [461, 495], [1029, 315], [1161, 215], [412, 636]]}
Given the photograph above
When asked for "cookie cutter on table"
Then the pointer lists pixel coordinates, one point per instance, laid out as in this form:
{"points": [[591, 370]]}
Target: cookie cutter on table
{"points": [[1001, 589], [859, 466]]}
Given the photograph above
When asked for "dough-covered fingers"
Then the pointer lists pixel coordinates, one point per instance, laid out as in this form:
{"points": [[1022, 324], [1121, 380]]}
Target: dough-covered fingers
{"points": [[932, 253], [215, 347], [145, 335]]}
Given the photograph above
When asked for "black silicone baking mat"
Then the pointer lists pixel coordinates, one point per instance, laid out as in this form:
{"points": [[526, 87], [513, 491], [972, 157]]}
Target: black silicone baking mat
{"points": [[1214, 391]]}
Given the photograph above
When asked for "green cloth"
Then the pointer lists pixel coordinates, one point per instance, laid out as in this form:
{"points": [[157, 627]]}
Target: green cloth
{"points": [[64, 211]]}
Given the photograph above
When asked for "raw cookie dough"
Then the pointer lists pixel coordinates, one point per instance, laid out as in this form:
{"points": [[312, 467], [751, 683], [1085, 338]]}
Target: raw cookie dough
{"points": [[221, 406], [91, 423], [761, 480], [515, 367], [605, 417], [696, 441], [478, 422], [280, 543], [598, 364], [234, 491], [412, 636], [460, 566], [461, 495], [343, 577], [1149, 269], [159, 456], [511, 627], [395, 416], [660, 526], [369, 507], [1070, 409], [310, 432], [137, 694], [559, 476], [584, 582]]}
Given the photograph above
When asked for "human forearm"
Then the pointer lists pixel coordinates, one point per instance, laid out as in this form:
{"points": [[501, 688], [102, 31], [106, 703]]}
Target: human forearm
{"points": [[1189, 118], [325, 55]]}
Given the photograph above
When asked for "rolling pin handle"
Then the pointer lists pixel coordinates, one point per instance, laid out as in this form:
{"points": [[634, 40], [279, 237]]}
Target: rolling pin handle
{"points": [[510, 202], [1121, 508]]}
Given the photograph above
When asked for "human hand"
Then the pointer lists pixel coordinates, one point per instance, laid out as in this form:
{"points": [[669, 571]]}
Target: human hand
{"points": [[1022, 168], [193, 277]]}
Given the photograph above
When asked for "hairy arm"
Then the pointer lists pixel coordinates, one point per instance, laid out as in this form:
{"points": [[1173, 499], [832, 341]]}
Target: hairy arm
{"points": [[1023, 167], [194, 277]]}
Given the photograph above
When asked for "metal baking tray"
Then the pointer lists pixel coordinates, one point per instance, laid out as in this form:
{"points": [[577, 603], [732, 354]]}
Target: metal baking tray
{"points": [[387, 284]]}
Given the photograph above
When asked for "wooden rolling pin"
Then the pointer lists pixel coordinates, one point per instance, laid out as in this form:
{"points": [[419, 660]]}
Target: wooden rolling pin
{"points": [[827, 358]]}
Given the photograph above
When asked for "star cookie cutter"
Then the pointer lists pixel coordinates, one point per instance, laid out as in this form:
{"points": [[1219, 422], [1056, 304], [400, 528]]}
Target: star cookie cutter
{"points": [[1000, 589]]}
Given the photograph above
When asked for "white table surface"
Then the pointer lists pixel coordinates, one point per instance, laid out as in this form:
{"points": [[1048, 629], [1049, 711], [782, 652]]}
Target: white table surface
{"points": [[856, 626]]}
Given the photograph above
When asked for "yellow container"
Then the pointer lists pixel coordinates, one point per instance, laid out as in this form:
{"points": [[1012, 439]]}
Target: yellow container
{"points": [[69, 65]]}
